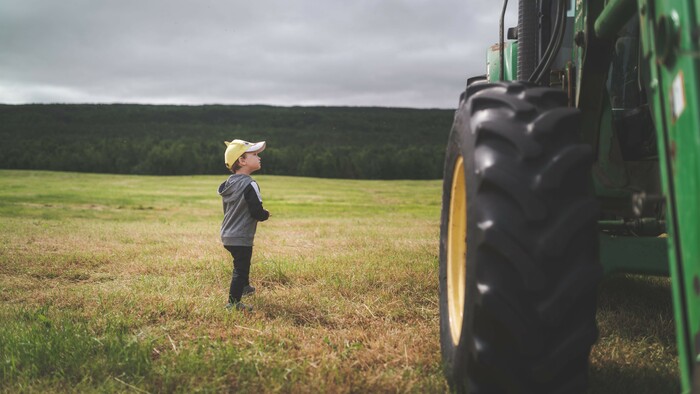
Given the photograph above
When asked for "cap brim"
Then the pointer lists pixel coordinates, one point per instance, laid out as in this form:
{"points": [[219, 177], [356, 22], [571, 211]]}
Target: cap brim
{"points": [[257, 147]]}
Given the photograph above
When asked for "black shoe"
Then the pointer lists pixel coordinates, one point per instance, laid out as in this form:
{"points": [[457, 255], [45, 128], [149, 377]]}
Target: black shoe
{"points": [[248, 290], [239, 306]]}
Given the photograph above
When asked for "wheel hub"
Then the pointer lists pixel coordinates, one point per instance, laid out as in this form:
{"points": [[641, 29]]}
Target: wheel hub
{"points": [[456, 251]]}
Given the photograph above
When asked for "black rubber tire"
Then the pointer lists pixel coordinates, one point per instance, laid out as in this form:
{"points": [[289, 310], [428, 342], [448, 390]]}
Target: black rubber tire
{"points": [[532, 266]]}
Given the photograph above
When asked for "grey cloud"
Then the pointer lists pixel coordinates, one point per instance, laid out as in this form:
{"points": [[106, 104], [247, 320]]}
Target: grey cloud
{"points": [[411, 53]]}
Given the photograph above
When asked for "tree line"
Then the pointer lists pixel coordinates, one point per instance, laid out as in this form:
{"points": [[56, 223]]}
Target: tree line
{"points": [[330, 142]]}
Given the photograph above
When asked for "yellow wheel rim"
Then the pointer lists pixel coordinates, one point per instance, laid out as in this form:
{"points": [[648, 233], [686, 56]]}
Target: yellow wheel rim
{"points": [[457, 251]]}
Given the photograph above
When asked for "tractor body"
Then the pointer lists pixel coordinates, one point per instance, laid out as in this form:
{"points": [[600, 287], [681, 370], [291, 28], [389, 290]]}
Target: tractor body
{"points": [[632, 69]]}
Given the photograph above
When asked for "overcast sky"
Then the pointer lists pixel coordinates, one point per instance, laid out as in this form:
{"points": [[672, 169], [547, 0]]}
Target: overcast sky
{"points": [[397, 53]]}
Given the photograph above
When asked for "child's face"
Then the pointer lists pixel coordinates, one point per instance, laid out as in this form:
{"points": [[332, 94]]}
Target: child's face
{"points": [[251, 161]]}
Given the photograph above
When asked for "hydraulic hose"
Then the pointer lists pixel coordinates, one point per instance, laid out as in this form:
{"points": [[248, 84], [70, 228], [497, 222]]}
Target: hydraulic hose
{"points": [[554, 45], [501, 42], [527, 38]]}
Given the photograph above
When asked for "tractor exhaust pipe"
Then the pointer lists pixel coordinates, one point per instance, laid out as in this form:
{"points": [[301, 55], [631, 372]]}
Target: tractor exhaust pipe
{"points": [[528, 25]]}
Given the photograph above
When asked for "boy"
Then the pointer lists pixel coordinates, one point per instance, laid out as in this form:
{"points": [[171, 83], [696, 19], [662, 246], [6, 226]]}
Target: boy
{"points": [[243, 210]]}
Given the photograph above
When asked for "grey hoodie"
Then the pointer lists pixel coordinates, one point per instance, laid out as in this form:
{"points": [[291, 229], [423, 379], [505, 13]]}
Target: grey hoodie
{"points": [[238, 227]]}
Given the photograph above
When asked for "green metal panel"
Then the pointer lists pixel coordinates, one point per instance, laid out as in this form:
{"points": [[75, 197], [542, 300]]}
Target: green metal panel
{"points": [[591, 58], [615, 14], [510, 58], [635, 255], [670, 37], [610, 177]]}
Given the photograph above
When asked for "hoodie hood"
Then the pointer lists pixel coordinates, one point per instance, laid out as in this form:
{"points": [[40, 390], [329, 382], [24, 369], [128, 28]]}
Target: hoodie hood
{"points": [[234, 186]]}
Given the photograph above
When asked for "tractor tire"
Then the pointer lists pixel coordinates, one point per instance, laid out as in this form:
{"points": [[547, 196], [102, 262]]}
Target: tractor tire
{"points": [[519, 263]]}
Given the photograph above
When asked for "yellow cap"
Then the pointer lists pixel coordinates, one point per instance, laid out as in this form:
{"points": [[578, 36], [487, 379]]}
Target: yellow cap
{"points": [[236, 148]]}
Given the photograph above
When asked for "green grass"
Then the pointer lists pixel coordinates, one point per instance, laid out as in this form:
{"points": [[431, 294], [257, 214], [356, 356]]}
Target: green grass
{"points": [[118, 283], [636, 351]]}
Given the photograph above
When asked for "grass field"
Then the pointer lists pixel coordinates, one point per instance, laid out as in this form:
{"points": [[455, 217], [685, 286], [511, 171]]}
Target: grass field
{"points": [[118, 283]]}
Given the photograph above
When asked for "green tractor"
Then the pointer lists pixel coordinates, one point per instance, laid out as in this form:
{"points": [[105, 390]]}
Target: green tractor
{"points": [[575, 156]]}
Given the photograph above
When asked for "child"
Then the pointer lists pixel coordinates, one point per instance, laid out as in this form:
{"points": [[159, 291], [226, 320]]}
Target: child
{"points": [[243, 210]]}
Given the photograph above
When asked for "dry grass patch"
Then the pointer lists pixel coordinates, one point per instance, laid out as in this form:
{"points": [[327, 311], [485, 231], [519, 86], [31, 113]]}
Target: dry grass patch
{"points": [[342, 283], [113, 282], [637, 346]]}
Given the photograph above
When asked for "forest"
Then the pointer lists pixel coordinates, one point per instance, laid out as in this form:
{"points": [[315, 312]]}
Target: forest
{"points": [[327, 142]]}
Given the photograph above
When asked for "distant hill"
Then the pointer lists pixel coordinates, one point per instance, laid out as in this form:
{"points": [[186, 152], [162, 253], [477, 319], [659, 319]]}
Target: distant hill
{"points": [[332, 142]]}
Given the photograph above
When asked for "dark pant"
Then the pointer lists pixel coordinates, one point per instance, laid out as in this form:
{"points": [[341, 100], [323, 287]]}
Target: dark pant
{"points": [[241, 270]]}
